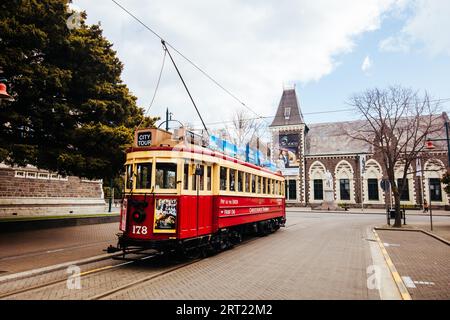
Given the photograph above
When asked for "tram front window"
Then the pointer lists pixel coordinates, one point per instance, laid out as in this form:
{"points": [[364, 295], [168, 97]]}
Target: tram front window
{"points": [[144, 176], [166, 176]]}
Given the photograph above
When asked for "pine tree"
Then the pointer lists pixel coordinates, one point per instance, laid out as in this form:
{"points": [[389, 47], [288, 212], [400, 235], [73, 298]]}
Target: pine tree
{"points": [[72, 113]]}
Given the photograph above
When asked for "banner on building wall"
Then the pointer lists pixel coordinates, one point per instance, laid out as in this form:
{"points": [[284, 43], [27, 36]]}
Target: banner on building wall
{"points": [[288, 146]]}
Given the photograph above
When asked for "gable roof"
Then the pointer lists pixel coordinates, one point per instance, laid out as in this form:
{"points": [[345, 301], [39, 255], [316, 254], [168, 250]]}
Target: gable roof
{"points": [[331, 138], [288, 100]]}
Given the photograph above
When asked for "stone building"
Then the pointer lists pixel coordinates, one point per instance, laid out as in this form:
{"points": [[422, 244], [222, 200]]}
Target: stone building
{"points": [[28, 191], [308, 151]]}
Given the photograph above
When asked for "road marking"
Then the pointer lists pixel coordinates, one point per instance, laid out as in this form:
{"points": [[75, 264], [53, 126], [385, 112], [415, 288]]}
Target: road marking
{"points": [[395, 275], [391, 244], [409, 283], [424, 282], [57, 250]]}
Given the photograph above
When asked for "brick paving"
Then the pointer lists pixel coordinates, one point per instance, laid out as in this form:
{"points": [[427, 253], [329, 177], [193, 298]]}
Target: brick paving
{"points": [[316, 257], [27, 250], [423, 259], [310, 259]]}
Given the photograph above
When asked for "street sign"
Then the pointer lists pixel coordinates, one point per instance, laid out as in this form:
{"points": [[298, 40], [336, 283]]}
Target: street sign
{"points": [[384, 184]]}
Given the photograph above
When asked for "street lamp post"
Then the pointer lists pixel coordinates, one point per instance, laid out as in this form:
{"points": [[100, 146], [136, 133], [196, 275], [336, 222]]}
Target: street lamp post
{"points": [[431, 210]]}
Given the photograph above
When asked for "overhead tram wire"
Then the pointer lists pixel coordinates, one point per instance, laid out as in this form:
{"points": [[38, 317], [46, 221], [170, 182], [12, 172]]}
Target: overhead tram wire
{"points": [[185, 86], [187, 59], [156, 88]]}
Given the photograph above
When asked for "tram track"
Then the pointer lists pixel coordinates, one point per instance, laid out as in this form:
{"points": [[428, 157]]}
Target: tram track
{"points": [[156, 276], [17, 294], [84, 273]]}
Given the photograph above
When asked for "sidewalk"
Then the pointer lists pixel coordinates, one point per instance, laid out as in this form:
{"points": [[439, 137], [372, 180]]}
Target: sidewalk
{"points": [[422, 261], [370, 211], [17, 224]]}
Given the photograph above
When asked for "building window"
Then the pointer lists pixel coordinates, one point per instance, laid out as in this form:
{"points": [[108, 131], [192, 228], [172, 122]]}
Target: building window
{"points": [[318, 189], [166, 175], [20, 174], [372, 187], [404, 196], [435, 189], [43, 176], [291, 190], [345, 189], [31, 175], [287, 113], [144, 176]]}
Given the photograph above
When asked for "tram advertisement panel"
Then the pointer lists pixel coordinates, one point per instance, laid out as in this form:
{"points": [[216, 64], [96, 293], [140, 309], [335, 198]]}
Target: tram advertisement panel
{"points": [[289, 150], [165, 216]]}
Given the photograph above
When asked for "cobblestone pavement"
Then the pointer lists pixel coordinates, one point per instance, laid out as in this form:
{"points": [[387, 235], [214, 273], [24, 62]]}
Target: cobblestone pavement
{"points": [[422, 259], [27, 250]]}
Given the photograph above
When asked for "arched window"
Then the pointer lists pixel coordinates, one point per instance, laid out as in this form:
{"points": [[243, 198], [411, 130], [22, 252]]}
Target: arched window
{"points": [[316, 182], [344, 184], [433, 188], [371, 182]]}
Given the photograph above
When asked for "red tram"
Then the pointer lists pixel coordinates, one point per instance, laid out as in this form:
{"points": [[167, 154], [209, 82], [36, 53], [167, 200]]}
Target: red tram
{"points": [[182, 196]]}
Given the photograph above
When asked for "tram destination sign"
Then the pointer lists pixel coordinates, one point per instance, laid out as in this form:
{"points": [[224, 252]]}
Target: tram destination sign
{"points": [[144, 139]]}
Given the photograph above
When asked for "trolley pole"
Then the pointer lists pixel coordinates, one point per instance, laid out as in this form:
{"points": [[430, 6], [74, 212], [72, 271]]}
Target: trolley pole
{"points": [[167, 119]]}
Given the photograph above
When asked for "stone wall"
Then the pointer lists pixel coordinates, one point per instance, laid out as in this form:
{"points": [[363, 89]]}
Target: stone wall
{"points": [[32, 192]]}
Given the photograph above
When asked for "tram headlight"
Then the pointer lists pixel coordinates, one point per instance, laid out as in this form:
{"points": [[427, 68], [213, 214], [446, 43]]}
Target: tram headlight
{"points": [[138, 216]]}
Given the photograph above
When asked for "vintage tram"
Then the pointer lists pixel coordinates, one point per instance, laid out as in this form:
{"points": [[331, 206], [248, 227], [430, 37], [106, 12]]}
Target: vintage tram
{"points": [[182, 196]]}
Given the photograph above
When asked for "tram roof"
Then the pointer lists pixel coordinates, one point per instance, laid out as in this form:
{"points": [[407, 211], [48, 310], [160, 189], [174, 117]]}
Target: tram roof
{"points": [[205, 151]]}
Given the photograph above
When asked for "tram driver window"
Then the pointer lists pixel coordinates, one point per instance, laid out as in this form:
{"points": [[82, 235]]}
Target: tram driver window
{"points": [[144, 176], [208, 178], [129, 176], [166, 175]]}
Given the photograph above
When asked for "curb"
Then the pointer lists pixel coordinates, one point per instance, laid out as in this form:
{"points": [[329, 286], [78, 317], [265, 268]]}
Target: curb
{"points": [[394, 273], [24, 225], [417, 230], [39, 271]]}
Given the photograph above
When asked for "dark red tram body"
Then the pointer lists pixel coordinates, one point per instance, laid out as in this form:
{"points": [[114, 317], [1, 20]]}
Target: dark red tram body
{"points": [[182, 196]]}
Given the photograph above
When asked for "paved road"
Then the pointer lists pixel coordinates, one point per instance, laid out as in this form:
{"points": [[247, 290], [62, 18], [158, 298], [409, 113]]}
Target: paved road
{"points": [[20, 251], [317, 256]]}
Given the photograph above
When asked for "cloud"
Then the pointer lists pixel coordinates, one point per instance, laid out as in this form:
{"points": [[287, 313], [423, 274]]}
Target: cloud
{"points": [[250, 47], [366, 65], [426, 28]]}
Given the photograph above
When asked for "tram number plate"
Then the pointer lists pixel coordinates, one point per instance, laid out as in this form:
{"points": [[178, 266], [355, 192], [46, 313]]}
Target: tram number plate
{"points": [[139, 230]]}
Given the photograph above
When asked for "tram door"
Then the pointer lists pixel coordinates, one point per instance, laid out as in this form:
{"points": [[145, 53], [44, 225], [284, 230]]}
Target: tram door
{"points": [[204, 199]]}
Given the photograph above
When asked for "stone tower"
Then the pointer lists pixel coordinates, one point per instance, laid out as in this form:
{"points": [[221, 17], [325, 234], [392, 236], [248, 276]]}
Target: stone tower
{"points": [[288, 145]]}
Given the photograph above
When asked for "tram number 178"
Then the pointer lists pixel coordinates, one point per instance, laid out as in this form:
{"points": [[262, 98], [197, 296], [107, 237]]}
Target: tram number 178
{"points": [[139, 230]]}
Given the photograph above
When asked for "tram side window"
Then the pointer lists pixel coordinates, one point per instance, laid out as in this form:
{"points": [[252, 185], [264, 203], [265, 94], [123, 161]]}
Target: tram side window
{"points": [[166, 175], [208, 178], [232, 180], [259, 183], [186, 176], [264, 185], [144, 176], [223, 178], [247, 182], [202, 178], [240, 181], [253, 183], [129, 176]]}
